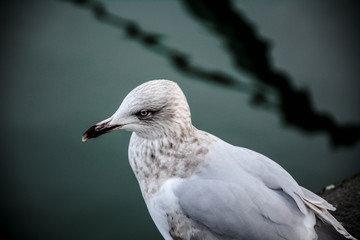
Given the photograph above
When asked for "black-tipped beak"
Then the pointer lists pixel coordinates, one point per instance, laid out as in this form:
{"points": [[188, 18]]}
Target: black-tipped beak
{"points": [[99, 129]]}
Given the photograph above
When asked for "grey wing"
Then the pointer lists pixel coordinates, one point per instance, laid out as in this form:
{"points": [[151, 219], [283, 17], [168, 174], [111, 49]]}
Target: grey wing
{"points": [[275, 177], [232, 212]]}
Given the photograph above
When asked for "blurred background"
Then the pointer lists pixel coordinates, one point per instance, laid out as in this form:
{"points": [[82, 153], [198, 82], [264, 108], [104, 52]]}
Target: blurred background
{"points": [[278, 77]]}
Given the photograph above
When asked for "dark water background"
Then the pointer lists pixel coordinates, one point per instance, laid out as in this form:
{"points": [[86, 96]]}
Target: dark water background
{"points": [[64, 68]]}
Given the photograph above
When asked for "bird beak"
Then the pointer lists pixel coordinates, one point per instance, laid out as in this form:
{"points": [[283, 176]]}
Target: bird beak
{"points": [[100, 128]]}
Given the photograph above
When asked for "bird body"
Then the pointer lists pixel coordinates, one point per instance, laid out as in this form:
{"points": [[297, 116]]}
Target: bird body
{"points": [[208, 190], [197, 186]]}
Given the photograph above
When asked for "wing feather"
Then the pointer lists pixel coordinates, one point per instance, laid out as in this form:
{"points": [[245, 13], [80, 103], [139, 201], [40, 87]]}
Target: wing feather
{"points": [[242, 188], [234, 212], [320, 207]]}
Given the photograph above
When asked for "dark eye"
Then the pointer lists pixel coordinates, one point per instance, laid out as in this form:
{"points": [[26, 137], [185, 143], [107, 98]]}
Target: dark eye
{"points": [[143, 114]]}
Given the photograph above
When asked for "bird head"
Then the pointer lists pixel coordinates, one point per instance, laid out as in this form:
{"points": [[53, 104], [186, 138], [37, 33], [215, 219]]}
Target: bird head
{"points": [[154, 109]]}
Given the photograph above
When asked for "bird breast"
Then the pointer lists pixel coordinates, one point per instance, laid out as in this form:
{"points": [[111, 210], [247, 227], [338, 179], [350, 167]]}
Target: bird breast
{"points": [[155, 160]]}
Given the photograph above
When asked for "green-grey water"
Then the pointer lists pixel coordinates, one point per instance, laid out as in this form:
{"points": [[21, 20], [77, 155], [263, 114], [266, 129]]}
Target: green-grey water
{"points": [[63, 70]]}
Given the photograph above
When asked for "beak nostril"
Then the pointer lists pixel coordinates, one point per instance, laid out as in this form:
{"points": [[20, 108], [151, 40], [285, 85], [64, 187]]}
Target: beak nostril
{"points": [[100, 127]]}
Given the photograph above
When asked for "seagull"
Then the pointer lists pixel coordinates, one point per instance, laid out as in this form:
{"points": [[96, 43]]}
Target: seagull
{"points": [[197, 186]]}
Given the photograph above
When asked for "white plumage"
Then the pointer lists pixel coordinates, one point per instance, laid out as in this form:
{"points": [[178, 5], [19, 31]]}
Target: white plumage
{"points": [[197, 186]]}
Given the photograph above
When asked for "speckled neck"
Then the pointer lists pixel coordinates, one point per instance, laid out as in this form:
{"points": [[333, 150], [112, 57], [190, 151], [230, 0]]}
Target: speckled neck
{"points": [[156, 160]]}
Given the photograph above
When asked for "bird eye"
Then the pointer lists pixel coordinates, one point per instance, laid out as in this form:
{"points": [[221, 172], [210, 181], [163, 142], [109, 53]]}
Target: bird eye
{"points": [[144, 113]]}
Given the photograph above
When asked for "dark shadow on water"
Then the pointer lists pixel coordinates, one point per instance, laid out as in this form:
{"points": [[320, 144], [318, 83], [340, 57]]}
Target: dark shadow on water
{"points": [[272, 90], [251, 53]]}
